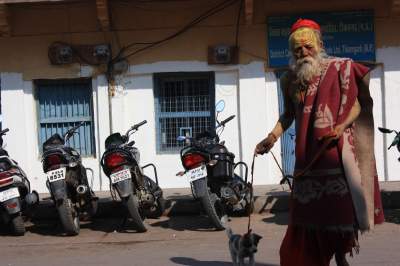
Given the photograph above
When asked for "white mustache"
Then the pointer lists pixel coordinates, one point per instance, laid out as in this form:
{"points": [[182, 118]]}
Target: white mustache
{"points": [[305, 60]]}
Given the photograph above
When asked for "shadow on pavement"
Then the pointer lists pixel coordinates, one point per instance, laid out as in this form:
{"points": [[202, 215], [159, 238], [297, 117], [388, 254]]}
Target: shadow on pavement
{"points": [[392, 216], [5, 229], [280, 218], [46, 228], [190, 223], [54, 227], [193, 262]]}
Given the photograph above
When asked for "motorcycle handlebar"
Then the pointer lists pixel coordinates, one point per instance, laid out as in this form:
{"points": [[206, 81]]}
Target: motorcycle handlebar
{"points": [[72, 130], [135, 127], [139, 124], [223, 122], [4, 131]]}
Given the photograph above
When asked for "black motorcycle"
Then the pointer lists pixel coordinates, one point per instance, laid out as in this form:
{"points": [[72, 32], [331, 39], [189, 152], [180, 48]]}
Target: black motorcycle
{"points": [[396, 140], [67, 181], [121, 163], [210, 168], [15, 195]]}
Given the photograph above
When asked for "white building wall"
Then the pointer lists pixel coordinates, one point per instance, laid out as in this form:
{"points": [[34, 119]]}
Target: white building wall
{"points": [[390, 57], [139, 104], [376, 89], [19, 109], [249, 93]]}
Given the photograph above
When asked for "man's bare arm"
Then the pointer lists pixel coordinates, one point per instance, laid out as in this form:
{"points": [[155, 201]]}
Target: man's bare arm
{"points": [[353, 114]]}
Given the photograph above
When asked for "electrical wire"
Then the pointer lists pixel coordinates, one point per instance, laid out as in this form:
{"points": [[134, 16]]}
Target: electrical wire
{"points": [[202, 17], [238, 22]]}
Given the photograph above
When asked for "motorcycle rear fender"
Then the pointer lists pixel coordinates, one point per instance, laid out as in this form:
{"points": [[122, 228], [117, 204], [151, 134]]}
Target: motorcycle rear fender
{"points": [[58, 190], [124, 188], [200, 188], [12, 206]]}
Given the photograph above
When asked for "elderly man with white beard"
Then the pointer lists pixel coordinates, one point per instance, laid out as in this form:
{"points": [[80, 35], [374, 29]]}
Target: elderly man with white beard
{"points": [[335, 187]]}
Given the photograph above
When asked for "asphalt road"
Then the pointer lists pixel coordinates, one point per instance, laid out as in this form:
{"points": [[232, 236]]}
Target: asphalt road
{"points": [[173, 241]]}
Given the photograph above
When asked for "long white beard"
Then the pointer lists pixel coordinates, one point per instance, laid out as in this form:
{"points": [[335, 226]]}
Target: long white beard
{"points": [[306, 68]]}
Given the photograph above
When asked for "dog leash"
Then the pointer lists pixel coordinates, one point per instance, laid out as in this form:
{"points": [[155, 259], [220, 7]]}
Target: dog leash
{"points": [[251, 194], [326, 141]]}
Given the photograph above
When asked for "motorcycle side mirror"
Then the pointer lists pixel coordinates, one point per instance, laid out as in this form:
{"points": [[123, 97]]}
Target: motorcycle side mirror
{"points": [[180, 138], [385, 130], [220, 106]]}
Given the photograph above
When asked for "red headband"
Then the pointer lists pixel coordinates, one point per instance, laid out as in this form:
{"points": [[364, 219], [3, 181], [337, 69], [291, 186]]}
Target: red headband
{"points": [[308, 23]]}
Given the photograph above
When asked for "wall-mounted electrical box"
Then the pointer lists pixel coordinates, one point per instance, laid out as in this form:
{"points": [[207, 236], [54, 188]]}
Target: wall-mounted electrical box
{"points": [[60, 53], [222, 54], [63, 53]]}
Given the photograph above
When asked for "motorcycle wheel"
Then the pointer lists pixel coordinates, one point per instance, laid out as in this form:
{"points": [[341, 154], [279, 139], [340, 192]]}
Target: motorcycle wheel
{"points": [[132, 204], [69, 218], [212, 205], [18, 225]]}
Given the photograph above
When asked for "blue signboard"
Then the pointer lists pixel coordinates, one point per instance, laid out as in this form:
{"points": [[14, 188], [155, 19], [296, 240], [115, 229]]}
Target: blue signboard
{"points": [[345, 34]]}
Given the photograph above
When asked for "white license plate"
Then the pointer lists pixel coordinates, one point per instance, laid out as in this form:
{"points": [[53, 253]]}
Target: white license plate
{"points": [[9, 194], [197, 173], [121, 175], [56, 175]]}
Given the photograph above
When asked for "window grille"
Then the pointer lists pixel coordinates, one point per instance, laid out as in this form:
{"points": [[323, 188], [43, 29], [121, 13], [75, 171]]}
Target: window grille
{"points": [[63, 104], [184, 104]]}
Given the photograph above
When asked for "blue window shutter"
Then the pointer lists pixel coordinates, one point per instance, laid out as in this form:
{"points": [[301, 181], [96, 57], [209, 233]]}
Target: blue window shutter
{"points": [[63, 104], [288, 138]]}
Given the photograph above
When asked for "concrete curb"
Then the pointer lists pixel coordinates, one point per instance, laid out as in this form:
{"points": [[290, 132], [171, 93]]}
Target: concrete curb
{"points": [[179, 202]]}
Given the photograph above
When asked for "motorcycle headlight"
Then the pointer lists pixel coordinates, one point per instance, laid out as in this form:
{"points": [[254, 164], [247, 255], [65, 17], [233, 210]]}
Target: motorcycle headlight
{"points": [[73, 164]]}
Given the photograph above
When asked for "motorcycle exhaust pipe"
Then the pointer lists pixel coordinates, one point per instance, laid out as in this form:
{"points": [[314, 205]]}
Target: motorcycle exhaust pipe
{"points": [[32, 198], [81, 189]]}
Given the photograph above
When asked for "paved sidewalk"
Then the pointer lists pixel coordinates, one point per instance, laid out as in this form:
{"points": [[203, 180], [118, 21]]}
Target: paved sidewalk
{"points": [[268, 198]]}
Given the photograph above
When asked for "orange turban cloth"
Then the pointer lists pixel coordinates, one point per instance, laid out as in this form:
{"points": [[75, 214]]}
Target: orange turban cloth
{"points": [[303, 32]]}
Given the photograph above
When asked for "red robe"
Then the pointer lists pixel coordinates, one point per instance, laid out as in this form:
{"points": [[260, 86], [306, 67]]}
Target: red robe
{"points": [[335, 198]]}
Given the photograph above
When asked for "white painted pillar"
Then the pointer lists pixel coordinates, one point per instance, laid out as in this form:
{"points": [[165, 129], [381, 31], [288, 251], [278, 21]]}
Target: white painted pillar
{"points": [[257, 119], [14, 117]]}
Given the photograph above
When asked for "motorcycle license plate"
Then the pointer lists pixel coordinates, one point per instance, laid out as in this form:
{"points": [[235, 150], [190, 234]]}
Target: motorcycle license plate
{"points": [[56, 175], [9, 194], [121, 175], [197, 173]]}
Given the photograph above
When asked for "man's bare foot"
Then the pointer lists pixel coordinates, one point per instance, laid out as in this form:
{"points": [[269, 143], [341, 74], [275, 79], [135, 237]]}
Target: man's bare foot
{"points": [[341, 259]]}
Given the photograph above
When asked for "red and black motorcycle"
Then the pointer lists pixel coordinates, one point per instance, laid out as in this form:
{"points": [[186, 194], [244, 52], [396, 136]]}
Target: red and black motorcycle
{"points": [[15, 191], [121, 163], [67, 181], [210, 168]]}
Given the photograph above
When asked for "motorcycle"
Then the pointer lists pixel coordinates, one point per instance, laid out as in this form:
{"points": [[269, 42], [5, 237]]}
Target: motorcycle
{"points": [[15, 195], [396, 140], [210, 168], [121, 163], [67, 181]]}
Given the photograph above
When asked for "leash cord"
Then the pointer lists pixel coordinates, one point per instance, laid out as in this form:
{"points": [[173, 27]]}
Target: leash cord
{"points": [[284, 177], [251, 194]]}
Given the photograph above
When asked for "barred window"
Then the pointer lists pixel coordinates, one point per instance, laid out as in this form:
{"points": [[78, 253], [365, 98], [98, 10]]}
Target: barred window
{"points": [[63, 104], [184, 104]]}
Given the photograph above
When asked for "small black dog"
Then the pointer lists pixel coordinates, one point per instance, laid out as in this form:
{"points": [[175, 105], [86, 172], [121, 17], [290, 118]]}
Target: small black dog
{"points": [[242, 247]]}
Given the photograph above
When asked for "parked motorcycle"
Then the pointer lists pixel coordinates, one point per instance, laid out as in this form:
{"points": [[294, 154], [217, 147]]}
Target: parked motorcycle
{"points": [[396, 140], [67, 181], [15, 195], [121, 163], [210, 168]]}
